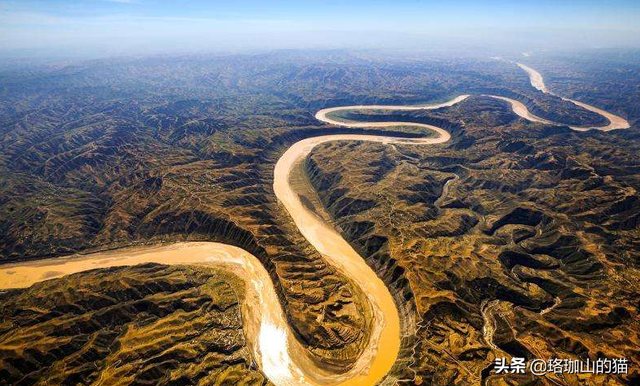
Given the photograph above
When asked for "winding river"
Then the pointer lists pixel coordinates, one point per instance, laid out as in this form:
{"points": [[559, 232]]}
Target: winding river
{"points": [[537, 81], [279, 354]]}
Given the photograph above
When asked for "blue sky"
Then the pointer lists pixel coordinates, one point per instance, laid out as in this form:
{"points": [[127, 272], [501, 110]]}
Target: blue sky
{"points": [[129, 26]]}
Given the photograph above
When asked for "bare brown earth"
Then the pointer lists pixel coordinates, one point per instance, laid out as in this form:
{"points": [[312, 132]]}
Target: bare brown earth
{"points": [[615, 122], [95, 157], [144, 325], [183, 195], [523, 254]]}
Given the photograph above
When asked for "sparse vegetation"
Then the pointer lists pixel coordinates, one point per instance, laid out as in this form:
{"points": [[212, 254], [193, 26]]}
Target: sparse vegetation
{"points": [[540, 220]]}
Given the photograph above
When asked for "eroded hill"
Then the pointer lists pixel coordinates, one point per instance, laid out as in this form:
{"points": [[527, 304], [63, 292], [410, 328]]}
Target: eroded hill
{"points": [[144, 325], [115, 153], [514, 239]]}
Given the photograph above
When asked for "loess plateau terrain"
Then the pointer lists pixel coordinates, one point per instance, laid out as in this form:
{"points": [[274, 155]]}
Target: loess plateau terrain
{"points": [[512, 239]]}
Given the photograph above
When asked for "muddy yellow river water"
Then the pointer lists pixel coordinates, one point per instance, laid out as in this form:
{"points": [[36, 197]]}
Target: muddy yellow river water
{"points": [[280, 356]]}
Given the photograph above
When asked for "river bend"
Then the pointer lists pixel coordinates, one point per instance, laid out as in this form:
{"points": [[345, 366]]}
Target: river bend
{"points": [[280, 356]]}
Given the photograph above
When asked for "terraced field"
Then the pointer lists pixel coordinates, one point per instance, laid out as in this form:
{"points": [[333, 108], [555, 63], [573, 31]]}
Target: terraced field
{"points": [[514, 238], [146, 324]]}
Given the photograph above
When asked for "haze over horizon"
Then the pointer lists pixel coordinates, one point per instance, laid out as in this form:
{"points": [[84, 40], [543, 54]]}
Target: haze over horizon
{"points": [[319, 193], [94, 28]]}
